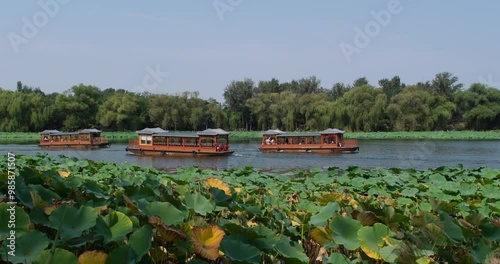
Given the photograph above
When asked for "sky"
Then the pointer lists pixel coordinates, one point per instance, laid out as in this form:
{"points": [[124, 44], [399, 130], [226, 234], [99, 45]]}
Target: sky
{"points": [[162, 46]]}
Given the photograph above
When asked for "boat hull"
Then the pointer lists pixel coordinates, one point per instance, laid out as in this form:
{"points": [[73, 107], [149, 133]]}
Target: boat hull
{"points": [[308, 149], [179, 152], [75, 145]]}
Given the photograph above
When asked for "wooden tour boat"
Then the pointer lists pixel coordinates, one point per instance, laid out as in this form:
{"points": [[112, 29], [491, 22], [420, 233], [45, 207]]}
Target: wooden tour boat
{"points": [[86, 138], [156, 141], [326, 141]]}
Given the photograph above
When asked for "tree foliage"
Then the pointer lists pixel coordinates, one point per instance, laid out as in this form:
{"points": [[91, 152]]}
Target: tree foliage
{"points": [[302, 104]]}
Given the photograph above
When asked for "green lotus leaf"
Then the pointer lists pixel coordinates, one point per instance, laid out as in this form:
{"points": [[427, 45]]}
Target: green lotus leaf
{"points": [[140, 241], [491, 232], [263, 237], [371, 239], [119, 225], [410, 192], [389, 253], [491, 192], [122, 254], [345, 231], [338, 258], [166, 211], [44, 193], [199, 203], [480, 251], [28, 246], [59, 256], [12, 218], [239, 251], [467, 189], [291, 251], [71, 222], [325, 213], [450, 228]]}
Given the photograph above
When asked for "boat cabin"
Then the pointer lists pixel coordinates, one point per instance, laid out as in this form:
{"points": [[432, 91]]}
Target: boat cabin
{"points": [[160, 141], [326, 140], [83, 138]]}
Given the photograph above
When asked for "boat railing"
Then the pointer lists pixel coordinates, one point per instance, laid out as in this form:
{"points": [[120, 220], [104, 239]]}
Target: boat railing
{"points": [[100, 140], [349, 143]]}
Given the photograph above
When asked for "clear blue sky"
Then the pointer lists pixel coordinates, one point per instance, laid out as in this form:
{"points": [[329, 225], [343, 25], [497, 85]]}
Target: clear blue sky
{"points": [[111, 43]]}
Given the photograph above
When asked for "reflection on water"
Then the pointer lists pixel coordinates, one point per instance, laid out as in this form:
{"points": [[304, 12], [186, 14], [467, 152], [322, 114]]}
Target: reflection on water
{"points": [[419, 154]]}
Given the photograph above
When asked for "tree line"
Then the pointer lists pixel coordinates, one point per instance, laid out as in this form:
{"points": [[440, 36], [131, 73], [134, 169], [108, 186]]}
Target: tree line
{"points": [[439, 104]]}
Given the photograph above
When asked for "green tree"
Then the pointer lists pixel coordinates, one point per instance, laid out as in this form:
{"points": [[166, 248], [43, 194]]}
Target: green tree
{"points": [[363, 107], [391, 87], [236, 94], [360, 82], [121, 111]]}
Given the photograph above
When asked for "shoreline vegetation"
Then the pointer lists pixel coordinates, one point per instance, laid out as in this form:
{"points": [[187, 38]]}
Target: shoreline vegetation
{"points": [[440, 104], [125, 213], [23, 137]]}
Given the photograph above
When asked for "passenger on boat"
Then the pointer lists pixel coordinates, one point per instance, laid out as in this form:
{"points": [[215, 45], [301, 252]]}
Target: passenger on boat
{"points": [[272, 141], [268, 141], [45, 139]]}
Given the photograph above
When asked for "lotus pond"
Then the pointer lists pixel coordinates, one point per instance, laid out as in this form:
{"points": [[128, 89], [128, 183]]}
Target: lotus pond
{"points": [[82, 211]]}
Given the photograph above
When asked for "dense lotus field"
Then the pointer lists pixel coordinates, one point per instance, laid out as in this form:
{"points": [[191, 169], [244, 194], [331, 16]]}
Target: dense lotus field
{"points": [[81, 211]]}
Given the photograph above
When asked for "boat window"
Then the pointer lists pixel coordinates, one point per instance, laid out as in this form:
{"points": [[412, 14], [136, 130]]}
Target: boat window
{"points": [[190, 142], [174, 141], [159, 140], [207, 142]]}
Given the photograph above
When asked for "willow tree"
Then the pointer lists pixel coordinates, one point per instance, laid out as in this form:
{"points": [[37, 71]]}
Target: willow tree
{"points": [[364, 107], [415, 109]]}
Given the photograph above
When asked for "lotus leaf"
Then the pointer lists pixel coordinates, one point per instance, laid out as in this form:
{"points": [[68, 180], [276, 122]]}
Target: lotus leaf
{"points": [[71, 222], [371, 239], [338, 258], [140, 241], [239, 251], [122, 254], [58, 256], [92, 257], [325, 213], [166, 211], [21, 220], [207, 241], [217, 183], [345, 231], [28, 246], [199, 203], [118, 224]]}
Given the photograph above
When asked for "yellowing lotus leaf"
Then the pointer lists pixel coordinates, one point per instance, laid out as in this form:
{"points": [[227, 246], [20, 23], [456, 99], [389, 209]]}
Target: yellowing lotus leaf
{"points": [[92, 257], [133, 208], [207, 240], [321, 235], [217, 183], [237, 189], [64, 174], [49, 209], [167, 233]]}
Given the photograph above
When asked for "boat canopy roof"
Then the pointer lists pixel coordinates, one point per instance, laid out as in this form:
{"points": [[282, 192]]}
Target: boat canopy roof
{"points": [[180, 135], [213, 132], [49, 132], [89, 130], [273, 132], [151, 131], [332, 131], [300, 135]]}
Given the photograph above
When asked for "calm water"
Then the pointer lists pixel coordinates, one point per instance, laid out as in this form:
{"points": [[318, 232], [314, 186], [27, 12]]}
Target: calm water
{"points": [[419, 154]]}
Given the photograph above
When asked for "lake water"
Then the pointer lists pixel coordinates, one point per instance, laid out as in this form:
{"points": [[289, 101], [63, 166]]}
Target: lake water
{"points": [[419, 154]]}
